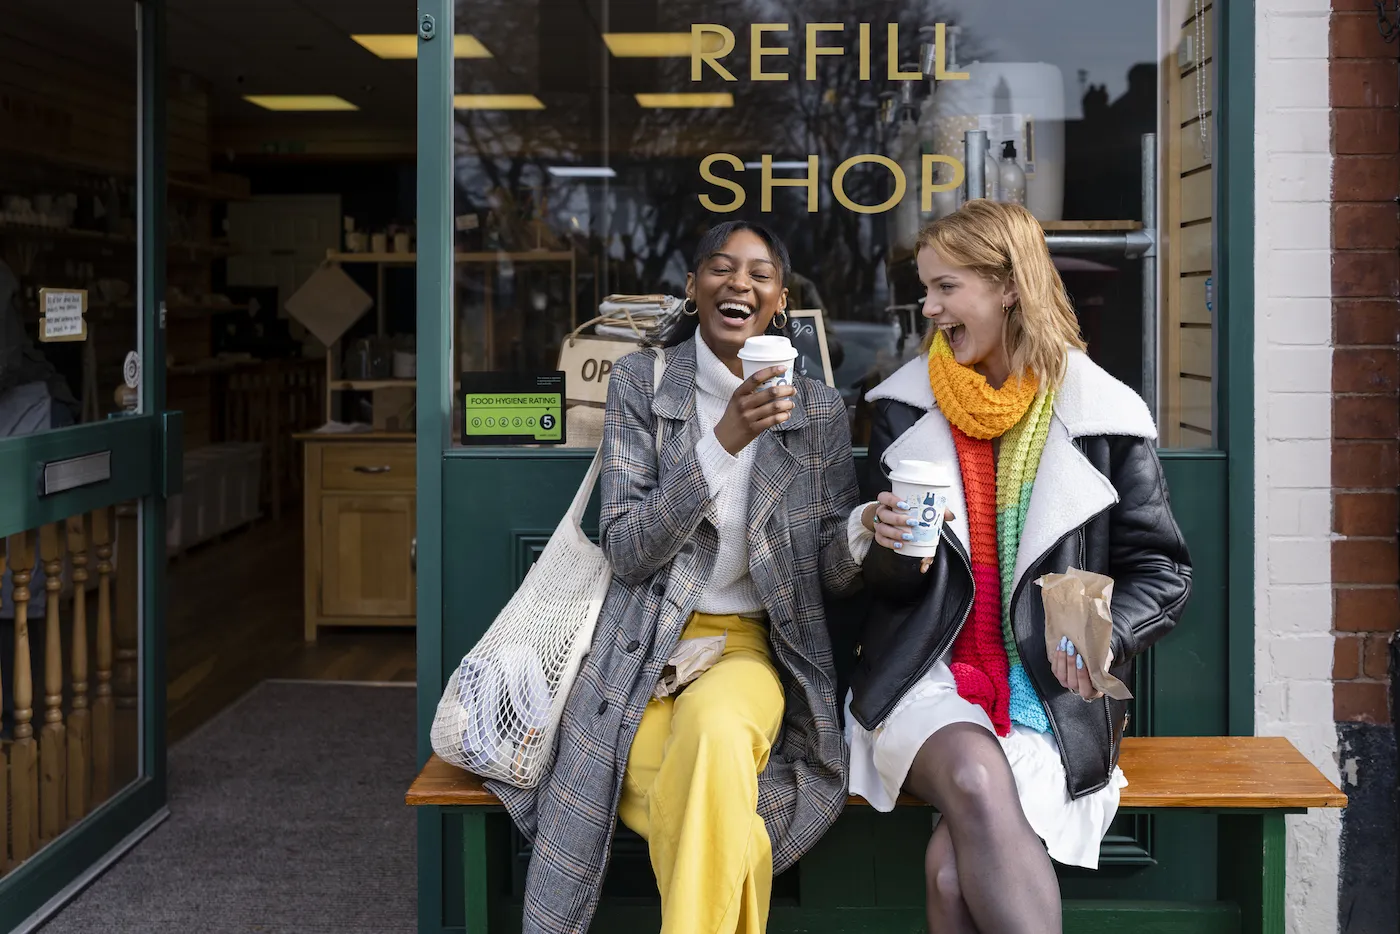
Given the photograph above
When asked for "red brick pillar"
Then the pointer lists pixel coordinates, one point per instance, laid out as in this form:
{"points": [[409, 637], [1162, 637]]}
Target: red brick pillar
{"points": [[1365, 97]]}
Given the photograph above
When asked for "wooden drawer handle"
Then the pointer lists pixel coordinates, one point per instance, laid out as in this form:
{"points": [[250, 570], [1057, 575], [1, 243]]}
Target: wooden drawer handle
{"points": [[382, 468]]}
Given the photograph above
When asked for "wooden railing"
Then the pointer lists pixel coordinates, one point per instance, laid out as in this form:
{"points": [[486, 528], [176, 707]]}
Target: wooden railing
{"points": [[268, 402], [85, 747]]}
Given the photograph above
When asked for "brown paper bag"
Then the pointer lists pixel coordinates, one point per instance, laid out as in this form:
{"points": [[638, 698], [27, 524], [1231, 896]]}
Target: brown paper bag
{"points": [[1077, 605]]}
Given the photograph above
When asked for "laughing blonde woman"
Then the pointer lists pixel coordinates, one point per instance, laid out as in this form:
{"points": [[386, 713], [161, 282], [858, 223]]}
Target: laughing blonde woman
{"points": [[955, 698]]}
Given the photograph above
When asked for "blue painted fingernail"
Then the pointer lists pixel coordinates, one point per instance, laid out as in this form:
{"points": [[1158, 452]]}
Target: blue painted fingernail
{"points": [[912, 521], [1079, 662], [908, 536], [1064, 640], [899, 544], [902, 505], [1069, 646]]}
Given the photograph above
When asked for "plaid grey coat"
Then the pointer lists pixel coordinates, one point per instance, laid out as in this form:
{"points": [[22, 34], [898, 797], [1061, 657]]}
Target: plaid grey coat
{"points": [[661, 540]]}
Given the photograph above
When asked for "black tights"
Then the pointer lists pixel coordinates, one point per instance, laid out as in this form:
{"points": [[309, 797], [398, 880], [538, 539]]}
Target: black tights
{"points": [[986, 870]]}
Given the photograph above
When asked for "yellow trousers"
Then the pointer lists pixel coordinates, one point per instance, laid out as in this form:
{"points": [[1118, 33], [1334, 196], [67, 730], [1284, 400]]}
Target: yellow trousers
{"points": [[691, 786]]}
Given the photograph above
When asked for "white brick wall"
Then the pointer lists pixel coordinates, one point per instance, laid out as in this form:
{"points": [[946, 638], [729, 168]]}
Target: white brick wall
{"points": [[1293, 425]]}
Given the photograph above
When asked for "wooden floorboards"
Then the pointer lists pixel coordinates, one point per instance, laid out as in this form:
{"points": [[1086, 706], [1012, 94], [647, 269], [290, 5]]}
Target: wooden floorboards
{"points": [[234, 619]]}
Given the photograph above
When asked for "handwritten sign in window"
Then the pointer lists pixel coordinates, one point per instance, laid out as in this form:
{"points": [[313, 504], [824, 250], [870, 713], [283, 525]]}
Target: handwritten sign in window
{"points": [[61, 314]]}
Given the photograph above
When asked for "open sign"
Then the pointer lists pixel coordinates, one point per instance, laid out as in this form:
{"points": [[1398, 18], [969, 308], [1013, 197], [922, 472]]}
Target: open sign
{"points": [[596, 370], [587, 363]]}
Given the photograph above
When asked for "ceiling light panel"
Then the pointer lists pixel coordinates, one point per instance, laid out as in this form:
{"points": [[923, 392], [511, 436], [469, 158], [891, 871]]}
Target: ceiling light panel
{"points": [[582, 171], [715, 99], [497, 102], [387, 45], [299, 102], [656, 44]]}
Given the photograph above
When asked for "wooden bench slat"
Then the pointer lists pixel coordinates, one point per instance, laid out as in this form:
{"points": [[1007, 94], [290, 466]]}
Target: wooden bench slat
{"points": [[1264, 772]]}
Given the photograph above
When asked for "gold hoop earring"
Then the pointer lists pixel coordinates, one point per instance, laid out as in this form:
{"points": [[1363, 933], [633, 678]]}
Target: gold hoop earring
{"points": [[782, 312], [689, 308]]}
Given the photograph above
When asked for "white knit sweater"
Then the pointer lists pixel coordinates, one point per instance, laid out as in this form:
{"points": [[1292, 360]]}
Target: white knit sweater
{"points": [[731, 588]]}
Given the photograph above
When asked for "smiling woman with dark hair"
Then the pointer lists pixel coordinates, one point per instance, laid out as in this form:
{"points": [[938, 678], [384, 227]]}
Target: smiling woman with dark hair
{"points": [[711, 247], [729, 530]]}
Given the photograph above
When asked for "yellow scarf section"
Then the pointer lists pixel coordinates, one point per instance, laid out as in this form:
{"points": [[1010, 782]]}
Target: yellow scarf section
{"points": [[964, 396]]}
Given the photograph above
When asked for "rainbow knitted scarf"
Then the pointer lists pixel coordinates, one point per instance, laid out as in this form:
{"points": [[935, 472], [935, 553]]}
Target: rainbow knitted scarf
{"points": [[985, 661]]}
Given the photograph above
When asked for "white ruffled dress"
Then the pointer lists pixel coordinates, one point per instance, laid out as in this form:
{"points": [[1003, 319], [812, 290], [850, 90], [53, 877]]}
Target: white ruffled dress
{"points": [[1072, 828]]}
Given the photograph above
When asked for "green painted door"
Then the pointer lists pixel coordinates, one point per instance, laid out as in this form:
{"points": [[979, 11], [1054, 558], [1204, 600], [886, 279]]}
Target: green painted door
{"points": [[561, 129], [83, 506]]}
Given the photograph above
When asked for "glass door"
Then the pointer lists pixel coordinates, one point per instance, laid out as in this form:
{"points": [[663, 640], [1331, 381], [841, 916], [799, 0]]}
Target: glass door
{"points": [[87, 452]]}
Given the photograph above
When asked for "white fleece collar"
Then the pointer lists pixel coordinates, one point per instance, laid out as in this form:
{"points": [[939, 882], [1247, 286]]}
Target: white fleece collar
{"points": [[1089, 402], [1068, 491]]}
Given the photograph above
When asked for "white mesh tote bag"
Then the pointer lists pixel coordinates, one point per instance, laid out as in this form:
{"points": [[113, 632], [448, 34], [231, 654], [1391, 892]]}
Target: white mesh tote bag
{"points": [[501, 709]]}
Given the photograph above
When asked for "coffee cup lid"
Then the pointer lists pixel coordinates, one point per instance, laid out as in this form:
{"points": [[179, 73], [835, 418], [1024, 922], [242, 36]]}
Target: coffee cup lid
{"points": [[924, 473], [767, 347]]}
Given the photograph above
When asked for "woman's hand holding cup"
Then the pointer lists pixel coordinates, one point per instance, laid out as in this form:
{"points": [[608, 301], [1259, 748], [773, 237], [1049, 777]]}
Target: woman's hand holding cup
{"points": [[889, 519], [752, 411]]}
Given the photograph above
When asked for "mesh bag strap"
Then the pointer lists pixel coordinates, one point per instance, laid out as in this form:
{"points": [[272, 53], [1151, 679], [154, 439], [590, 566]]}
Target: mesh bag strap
{"points": [[585, 491], [658, 371], [590, 479]]}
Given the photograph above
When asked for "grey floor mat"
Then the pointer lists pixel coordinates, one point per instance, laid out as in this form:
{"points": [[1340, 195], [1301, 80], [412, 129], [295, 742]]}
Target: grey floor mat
{"points": [[287, 815]]}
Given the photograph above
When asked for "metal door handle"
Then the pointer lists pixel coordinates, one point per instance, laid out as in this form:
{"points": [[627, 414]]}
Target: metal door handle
{"points": [[382, 468], [413, 554]]}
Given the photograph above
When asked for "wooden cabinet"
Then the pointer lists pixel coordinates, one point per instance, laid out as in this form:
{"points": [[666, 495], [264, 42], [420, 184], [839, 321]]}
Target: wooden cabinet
{"points": [[360, 527]]}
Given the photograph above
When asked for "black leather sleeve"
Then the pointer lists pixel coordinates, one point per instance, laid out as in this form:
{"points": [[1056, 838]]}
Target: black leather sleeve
{"points": [[889, 576], [1148, 559]]}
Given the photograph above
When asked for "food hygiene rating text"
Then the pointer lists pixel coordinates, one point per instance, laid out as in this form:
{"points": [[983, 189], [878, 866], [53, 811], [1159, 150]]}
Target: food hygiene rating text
{"points": [[711, 43]]}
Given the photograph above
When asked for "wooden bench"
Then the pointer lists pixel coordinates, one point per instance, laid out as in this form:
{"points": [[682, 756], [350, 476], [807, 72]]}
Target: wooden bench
{"points": [[1251, 781]]}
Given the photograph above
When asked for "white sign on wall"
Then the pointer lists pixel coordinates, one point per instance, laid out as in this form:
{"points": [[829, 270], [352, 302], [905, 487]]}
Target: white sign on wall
{"points": [[61, 314]]}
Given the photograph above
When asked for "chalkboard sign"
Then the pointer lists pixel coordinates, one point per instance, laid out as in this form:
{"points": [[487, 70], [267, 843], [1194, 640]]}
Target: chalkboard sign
{"points": [[806, 328]]}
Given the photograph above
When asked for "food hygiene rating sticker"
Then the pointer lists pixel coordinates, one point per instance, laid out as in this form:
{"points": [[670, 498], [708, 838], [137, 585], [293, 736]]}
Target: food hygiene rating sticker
{"points": [[513, 408]]}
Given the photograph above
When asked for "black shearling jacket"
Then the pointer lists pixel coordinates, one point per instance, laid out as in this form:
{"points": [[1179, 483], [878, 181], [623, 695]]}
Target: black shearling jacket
{"points": [[1099, 503]]}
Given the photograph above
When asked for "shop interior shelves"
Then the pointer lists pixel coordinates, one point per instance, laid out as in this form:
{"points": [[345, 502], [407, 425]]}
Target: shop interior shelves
{"points": [[41, 232], [366, 385], [527, 256]]}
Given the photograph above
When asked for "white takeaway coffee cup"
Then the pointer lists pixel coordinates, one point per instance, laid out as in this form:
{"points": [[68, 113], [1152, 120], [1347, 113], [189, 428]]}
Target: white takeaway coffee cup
{"points": [[765, 351], [924, 486]]}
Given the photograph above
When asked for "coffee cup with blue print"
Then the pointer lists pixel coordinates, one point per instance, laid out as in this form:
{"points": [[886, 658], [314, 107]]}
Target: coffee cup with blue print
{"points": [[922, 488], [768, 350]]}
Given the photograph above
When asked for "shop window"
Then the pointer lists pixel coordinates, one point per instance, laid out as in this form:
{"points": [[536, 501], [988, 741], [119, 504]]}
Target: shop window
{"points": [[68, 252], [596, 142]]}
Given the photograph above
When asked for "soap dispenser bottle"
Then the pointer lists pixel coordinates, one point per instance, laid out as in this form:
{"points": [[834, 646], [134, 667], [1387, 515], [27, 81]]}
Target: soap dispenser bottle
{"points": [[1010, 176]]}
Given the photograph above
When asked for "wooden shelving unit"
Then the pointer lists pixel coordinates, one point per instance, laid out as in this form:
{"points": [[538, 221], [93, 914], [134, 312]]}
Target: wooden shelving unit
{"points": [[40, 232], [406, 259], [368, 385]]}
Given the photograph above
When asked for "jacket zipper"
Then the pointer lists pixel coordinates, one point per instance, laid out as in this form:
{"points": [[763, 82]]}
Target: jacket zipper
{"points": [[943, 644], [1107, 710], [1112, 744], [1016, 598]]}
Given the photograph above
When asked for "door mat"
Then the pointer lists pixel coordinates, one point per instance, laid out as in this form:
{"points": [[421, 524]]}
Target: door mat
{"points": [[286, 817]]}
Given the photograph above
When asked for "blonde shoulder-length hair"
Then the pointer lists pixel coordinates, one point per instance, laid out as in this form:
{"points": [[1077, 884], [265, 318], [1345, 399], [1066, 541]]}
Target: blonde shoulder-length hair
{"points": [[1004, 243]]}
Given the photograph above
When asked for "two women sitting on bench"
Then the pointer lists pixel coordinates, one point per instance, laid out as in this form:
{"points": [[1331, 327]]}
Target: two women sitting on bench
{"points": [[749, 515]]}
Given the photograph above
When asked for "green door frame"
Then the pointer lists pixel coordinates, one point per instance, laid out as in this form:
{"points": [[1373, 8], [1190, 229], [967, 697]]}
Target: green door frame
{"points": [[436, 273], [146, 465], [1234, 264], [439, 858]]}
